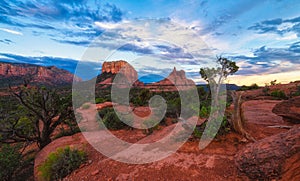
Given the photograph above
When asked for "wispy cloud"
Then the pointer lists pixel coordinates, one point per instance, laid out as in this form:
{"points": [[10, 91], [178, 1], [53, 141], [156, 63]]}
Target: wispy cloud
{"points": [[106, 25], [65, 20], [11, 31], [6, 41], [278, 26], [270, 60]]}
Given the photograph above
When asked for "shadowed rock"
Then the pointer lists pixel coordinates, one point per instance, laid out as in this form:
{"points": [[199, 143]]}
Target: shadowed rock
{"points": [[289, 110], [270, 158]]}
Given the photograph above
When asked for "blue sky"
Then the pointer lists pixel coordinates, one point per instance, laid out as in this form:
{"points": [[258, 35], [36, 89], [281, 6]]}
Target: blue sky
{"points": [[261, 36]]}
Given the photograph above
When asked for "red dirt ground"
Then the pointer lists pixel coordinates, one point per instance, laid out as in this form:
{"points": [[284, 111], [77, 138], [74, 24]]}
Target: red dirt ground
{"points": [[215, 162]]}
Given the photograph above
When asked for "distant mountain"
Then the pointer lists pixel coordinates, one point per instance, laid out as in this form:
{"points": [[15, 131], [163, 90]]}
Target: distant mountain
{"points": [[16, 73], [228, 86]]}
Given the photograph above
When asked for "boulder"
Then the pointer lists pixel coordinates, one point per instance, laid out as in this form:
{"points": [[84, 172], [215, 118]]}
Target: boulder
{"points": [[289, 110], [272, 157]]}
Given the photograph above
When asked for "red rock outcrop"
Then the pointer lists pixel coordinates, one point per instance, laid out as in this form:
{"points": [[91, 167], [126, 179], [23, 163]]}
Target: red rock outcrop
{"points": [[175, 81], [270, 158], [120, 66], [40, 74], [289, 110]]}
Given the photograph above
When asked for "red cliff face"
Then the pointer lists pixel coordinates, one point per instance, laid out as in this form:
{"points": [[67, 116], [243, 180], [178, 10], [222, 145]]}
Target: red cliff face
{"points": [[120, 66], [41, 74], [175, 81]]}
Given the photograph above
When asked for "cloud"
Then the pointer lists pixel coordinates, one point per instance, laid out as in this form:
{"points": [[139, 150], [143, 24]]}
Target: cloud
{"points": [[74, 42], [270, 60], [62, 19], [6, 41], [295, 47], [225, 16], [106, 25], [278, 26], [11, 31]]}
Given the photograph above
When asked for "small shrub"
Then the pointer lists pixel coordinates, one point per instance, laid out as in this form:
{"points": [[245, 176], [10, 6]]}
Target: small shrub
{"points": [[296, 93], [224, 128], [150, 125], [266, 90], [278, 94], [99, 100], [86, 106], [61, 163], [273, 82], [251, 87], [10, 160], [204, 112], [112, 121]]}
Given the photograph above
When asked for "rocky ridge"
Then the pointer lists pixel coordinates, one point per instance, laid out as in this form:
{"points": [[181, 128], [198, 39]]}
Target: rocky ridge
{"points": [[16, 72]]}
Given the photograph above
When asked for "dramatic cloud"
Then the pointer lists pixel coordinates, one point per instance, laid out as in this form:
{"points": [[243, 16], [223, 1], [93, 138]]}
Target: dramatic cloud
{"points": [[279, 26], [69, 19], [270, 60]]}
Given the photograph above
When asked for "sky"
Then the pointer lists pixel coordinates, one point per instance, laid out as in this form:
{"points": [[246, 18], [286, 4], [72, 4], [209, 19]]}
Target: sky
{"points": [[262, 37]]}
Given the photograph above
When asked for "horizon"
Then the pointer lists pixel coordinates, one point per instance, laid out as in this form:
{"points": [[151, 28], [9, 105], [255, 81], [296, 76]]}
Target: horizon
{"points": [[261, 37]]}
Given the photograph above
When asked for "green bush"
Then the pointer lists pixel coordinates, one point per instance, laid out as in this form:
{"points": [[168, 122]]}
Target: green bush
{"points": [[61, 163], [296, 93], [251, 87], [204, 112], [223, 129], [266, 90], [278, 94], [99, 100], [85, 106], [111, 120], [10, 160], [150, 126]]}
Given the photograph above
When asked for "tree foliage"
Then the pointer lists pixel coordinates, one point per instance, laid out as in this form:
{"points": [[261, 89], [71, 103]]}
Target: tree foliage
{"points": [[61, 163], [227, 67], [39, 113], [10, 160]]}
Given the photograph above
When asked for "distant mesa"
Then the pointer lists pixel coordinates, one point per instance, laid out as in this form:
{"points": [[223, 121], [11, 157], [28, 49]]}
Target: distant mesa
{"points": [[15, 73], [110, 69]]}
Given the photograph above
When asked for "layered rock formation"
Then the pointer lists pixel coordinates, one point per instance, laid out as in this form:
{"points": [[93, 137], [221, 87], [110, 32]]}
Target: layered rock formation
{"points": [[14, 73], [289, 110], [273, 157], [120, 66]]}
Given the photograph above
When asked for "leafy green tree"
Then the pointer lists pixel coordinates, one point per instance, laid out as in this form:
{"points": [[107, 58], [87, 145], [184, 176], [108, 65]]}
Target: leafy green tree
{"points": [[215, 76], [39, 113]]}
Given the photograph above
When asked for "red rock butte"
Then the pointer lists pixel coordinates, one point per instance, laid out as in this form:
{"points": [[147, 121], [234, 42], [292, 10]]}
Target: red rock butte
{"points": [[121, 66], [175, 81]]}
